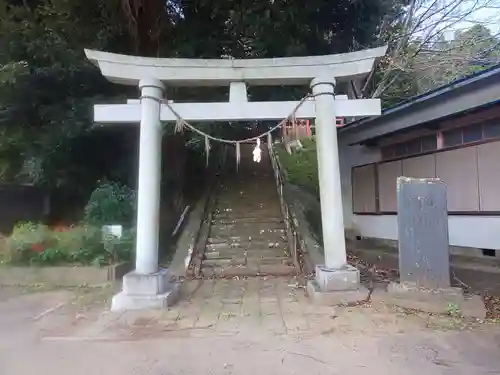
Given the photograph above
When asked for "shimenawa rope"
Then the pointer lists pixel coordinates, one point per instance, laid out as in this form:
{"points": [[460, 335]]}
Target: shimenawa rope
{"points": [[182, 124]]}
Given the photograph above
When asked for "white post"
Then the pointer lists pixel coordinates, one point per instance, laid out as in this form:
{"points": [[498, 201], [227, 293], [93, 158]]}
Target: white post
{"points": [[329, 174], [148, 207]]}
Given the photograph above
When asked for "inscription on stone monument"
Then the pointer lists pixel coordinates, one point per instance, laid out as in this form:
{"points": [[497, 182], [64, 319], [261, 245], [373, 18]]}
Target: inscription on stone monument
{"points": [[423, 232]]}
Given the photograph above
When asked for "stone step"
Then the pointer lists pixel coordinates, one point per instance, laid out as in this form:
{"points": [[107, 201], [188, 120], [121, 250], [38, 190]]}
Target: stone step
{"points": [[267, 261], [254, 261], [256, 230], [223, 262], [259, 241], [238, 189], [266, 183], [249, 209], [259, 228], [226, 219], [241, 253], [255, 240], [248, 271], [245, 181], [243, 246], [248, 215], [214, 245], [247, 240], [258, 196]]}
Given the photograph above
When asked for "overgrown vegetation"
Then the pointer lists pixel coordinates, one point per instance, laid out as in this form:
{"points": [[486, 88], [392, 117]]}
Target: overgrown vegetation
{"points": [[301, 168], [302, 165], [37, 244], [111, 203], [82, 244]]}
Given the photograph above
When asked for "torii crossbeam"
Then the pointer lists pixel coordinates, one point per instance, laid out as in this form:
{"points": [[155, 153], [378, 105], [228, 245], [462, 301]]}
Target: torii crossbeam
{"points": [[233, 110]]}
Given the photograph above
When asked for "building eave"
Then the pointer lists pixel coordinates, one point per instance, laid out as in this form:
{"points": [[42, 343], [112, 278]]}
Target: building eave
{"points": [[465, 94]]}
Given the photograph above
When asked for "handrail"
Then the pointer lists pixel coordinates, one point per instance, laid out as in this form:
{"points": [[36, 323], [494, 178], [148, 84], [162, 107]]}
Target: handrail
{"points": [[192, 240], [296, 238]]}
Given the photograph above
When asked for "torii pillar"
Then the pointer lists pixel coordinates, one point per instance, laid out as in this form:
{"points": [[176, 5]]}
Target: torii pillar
{"points": [[336, 281], [150, 287]]}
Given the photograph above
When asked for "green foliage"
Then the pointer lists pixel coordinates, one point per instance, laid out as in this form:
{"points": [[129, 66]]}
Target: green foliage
{"points": [[80, 245], [26, 239], [453, 309], [302, 166], [111, 203], [47, 86], [121, 248]]}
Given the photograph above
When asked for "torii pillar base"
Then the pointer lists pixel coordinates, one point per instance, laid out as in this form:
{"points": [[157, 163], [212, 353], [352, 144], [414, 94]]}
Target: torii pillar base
{"points": [[144, 292], [337, 286]]}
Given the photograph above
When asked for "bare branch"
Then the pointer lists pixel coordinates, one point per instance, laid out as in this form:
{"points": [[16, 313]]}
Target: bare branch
{"points": [[418, 45]]}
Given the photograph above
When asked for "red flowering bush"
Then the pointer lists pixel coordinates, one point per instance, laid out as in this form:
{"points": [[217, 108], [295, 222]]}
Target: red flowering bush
{"points": [[28, 239], [37, 244], [38, 248]]}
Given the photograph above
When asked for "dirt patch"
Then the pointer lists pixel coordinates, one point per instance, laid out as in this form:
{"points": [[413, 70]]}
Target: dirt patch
{"points": [[374, 276], [492, 304]]}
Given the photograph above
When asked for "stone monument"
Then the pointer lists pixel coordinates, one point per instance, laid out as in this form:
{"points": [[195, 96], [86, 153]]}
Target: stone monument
{"points": [[423, 243], [423, 232]]}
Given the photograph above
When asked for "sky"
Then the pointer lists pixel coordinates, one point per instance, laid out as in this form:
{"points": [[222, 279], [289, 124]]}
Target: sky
{"points": [[489, 17]]}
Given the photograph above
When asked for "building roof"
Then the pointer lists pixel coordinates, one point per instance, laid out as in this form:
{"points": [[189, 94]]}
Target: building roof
{"points": [[473, 91]]}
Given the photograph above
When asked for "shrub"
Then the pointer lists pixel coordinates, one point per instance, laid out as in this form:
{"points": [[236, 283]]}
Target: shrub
{"points": [[120, 249], [28, 240], [111, 203], [83, 245]]}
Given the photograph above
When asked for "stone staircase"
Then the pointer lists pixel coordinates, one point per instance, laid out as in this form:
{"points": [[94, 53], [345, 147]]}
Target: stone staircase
{"points": [[247, 233]]}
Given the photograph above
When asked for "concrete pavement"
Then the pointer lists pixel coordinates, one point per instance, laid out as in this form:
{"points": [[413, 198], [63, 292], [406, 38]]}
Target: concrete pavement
{"points": [[256, 326]]}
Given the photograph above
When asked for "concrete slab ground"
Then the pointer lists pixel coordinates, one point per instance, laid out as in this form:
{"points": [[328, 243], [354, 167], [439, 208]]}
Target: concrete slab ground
{"points": [[254, 326]]}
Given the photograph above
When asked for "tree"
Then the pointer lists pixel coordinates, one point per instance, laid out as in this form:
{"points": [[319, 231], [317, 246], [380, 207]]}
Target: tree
{"points": [[47, 87], [420, 57]]}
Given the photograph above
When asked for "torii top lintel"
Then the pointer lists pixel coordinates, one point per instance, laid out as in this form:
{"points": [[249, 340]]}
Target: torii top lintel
{"points": [[129, 70]]}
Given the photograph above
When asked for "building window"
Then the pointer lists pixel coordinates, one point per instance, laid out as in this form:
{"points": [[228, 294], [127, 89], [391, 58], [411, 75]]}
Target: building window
{"points": [[412, 147], [452, 138], [429, 143], [491, 130], [400, 149], [471, 134]]}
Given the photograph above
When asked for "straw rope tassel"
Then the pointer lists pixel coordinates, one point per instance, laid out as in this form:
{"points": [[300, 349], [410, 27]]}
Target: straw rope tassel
{"points": [[207, 149], [179, 125], [238, 155]]}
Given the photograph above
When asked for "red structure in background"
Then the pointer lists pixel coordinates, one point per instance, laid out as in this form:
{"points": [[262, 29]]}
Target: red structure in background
{"points": [[304, 128]]}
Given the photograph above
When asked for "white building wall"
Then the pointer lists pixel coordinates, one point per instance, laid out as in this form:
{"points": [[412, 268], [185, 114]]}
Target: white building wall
{"points": [[481, 232], [351, 156]]}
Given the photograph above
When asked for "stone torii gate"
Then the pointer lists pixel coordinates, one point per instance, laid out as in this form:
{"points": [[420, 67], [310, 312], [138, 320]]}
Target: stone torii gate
{"points": [[148, 286]]}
